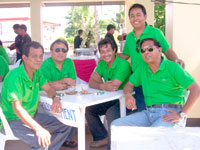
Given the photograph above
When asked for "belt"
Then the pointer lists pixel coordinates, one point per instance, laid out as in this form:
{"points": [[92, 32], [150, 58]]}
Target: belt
{"points": [[166, 105]]}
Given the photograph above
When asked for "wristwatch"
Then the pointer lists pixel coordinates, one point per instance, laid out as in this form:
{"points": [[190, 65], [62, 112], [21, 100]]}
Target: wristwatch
{"points": [[55, 96], [182, 114]]}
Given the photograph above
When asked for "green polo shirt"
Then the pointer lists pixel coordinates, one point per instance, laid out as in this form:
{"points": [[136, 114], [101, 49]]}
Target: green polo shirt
{"points": [[4, 67], [52, 73], [131, 40], [119, 70], [18, 86], [4, 54], [165, 86]]}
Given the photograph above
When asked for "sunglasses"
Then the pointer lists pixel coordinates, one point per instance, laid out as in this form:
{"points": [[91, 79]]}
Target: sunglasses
{"points": [[138, 45], [150, 49], [57, 50]]}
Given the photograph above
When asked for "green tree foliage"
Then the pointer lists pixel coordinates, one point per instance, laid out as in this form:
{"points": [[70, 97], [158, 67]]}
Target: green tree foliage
{"points": [[119, 21], [159, 12]]}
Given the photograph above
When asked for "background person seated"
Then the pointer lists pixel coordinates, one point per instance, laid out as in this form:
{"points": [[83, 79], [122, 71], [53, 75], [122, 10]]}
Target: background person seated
{"points": [[115, 73], [59, 70], [163, 84]]}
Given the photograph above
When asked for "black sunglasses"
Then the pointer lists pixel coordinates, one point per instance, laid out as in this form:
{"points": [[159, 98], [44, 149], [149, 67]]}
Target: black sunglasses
{"points": [[57, 50], [150, 49], [138, 45]]}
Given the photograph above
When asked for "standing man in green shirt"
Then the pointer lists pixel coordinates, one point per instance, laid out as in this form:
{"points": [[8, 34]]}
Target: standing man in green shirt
{"points": [[59, 70], [19, 102], [111, 74], [4, 68], [137, 17], [164, 83]]}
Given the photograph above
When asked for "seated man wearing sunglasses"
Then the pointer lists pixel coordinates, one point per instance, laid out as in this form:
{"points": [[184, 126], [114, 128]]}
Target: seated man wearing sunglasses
{"points": [[163, 83], [59, 70]]}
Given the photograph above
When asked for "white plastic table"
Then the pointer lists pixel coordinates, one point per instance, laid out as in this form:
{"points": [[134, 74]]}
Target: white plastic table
{"points": [[154, 138], [73, 109]]}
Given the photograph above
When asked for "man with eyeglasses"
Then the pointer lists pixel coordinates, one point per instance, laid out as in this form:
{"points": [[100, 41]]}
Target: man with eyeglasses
{"points": [[163, 83], [19, 102], [59, 70], [137, 16]]}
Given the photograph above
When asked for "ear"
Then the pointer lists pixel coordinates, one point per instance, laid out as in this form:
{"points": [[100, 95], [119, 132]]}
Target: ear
{"points": [[160, 49], [24, 57]]}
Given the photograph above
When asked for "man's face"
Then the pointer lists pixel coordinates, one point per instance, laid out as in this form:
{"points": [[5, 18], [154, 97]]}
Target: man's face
{"points": [[107, 53], [16, 30], [137, 18], [150, 52], [112, 31], [34, 59], [59, 52]]}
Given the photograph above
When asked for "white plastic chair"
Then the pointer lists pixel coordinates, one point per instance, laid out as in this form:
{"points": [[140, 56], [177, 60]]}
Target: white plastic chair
{"points": [[8, 132]]}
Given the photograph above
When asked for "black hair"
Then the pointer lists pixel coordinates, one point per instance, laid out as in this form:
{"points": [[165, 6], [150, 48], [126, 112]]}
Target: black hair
{"points": [[16, 26], [105, 42], [137, 6], [59, 41], [110, 26], [27, 46], [23, 26], [155, 42], [80, 31]]}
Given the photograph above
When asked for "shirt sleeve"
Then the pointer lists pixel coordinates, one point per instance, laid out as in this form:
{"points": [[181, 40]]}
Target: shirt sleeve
{"points": [[163, 42], [42, 79], [182, 77], [126, 49], [72, 72], [135, 78], [123, 72], [98, 68]]}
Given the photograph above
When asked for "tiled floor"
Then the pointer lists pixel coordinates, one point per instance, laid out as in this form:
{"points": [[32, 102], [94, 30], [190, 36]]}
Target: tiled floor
{"points": [[11, 145]]}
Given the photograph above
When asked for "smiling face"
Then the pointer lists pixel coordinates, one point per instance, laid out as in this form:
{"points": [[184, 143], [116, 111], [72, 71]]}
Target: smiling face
{"points": [[151, 53], [59, 56], [137, 18], [107, 53], [34, 59]]}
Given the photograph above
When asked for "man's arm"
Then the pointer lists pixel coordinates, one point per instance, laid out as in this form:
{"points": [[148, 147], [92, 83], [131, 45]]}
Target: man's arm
{"points": [[62, 84], [51, 92], [192, 99], [1, 78], [130, 100], [171, 55], [97, 83], [44, 137], [123, 56]]}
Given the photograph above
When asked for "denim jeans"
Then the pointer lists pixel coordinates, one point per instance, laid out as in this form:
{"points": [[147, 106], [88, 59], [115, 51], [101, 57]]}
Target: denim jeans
{"points": [[59, 132], [139, 98], [152, 117], [93, 113]]}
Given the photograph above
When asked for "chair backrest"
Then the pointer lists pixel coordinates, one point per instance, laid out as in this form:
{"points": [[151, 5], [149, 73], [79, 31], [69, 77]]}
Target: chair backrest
{"points": [[6, 126]]}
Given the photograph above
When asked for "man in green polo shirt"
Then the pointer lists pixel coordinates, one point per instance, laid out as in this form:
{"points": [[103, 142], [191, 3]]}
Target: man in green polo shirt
{"points": [[59, 70], [111, 74], [4, 68], [19, 102], [164, 83], [4, 54], [137, 16]]}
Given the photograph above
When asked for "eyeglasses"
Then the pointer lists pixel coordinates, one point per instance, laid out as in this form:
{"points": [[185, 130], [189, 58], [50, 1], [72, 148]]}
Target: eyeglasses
{"points": [[57, 50], [138, 45], [150, 49]]}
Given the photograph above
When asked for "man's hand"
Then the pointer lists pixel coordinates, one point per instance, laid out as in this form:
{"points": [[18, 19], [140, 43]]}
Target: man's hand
{"points": [[44, 137], [181, 62], [172, 117], [130, 102], [56, 105], [109, 86]]}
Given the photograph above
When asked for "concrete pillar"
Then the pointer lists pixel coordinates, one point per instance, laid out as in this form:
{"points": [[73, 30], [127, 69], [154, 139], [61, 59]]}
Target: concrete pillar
{"points": [[150, 12], [182, 31], [36, 20]]}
